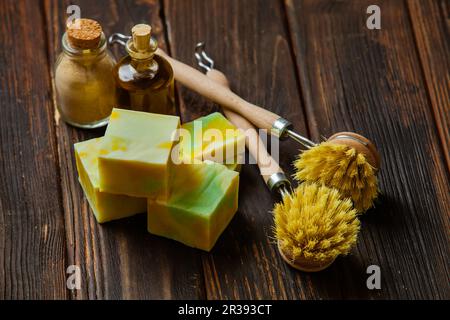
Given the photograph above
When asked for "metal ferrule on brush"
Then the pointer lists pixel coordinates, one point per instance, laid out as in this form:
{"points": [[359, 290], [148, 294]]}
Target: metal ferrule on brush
{"points": [[279, 182], [282, 129]]}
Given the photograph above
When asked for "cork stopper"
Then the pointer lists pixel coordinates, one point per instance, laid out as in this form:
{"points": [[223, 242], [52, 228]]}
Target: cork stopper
{"points": [[360, 144], [84, 33], [141, 37]]}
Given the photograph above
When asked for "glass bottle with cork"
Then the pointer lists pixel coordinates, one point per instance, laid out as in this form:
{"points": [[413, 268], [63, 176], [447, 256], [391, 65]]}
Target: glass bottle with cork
{"points": [[85, 88], [144, 79]]}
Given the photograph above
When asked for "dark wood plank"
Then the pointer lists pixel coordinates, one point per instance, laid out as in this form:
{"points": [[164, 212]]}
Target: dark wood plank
{"points": [[250, 44], [118, 259], [432, 33], [371, 81], [32, 238]]}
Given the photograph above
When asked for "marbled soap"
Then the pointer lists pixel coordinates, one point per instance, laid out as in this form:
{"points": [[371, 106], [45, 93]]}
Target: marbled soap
{"points": [[136, 154], [203, 200], [213, 138], [106, 206]]}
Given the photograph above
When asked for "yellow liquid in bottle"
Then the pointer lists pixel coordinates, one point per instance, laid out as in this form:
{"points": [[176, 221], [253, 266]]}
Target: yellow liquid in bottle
{"points": [[141, 88]]}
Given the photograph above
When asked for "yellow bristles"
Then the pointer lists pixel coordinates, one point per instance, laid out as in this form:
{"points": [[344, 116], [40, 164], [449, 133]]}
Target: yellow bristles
{"points": [[341, 167], [314, 223]]}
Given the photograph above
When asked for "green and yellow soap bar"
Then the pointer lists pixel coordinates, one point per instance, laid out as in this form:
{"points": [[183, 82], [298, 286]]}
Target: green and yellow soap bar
{"points": [[213, 138], [203, 200], [136, 154], [106, 206]]}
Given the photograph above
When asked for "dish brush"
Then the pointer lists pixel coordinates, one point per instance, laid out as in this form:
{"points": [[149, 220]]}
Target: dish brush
{"points": [[343, 162], [313, 224], [346, 161]]}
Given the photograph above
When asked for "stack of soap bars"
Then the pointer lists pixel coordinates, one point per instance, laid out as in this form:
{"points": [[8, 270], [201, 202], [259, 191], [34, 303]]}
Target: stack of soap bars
{"points": [[141, 164]]}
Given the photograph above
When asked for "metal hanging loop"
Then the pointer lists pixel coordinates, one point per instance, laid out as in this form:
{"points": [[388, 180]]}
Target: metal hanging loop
{"points": [[203, 60], [118, 38]]}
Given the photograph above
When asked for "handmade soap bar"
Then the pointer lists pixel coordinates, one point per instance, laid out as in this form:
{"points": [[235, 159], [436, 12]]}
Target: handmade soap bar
{"points": [[106, 206], [213, 138], [136, 153], [204, 198]]}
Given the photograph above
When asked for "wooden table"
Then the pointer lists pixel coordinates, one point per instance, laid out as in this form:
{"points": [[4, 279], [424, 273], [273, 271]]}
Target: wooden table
{"points": [[314, 62]]}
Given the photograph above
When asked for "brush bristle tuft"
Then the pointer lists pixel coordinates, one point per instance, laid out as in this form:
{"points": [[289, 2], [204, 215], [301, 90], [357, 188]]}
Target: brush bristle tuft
{"points": [[341, 167], [314, 223]]}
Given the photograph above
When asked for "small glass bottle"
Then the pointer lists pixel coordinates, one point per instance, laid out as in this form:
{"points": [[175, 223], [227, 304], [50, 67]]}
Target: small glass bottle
{"points": [[144, 79], [85, 87]]}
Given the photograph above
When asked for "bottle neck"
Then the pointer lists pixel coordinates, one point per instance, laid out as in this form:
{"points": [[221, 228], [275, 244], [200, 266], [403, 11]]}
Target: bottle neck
{"points": [[86, 55], [141, 54], [143, 60]]}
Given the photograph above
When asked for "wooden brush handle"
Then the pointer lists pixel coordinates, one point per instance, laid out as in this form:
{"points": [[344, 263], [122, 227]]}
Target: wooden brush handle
{"points": [[200, 83], [268, 166]]}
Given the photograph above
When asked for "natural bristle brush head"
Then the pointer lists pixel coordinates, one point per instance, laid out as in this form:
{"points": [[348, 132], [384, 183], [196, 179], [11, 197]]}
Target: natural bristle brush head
{"points": [[346, 161], [314, 225]]}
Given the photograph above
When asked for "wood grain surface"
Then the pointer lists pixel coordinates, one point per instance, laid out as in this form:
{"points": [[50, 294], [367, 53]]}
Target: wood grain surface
{"points": [[430, 21], [312, 61], [32, 238], [370, 81]]}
